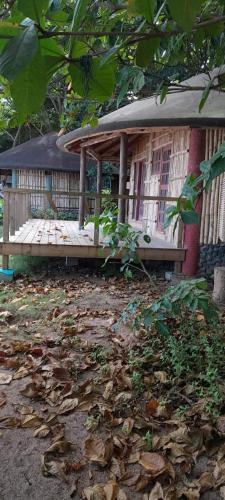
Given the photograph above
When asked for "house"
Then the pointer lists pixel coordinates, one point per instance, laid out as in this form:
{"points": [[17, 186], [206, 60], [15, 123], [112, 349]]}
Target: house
{"points": [[162, 143], [39, 164]]}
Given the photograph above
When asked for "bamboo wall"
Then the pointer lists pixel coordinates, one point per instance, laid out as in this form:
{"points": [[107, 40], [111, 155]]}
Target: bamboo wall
{"points": [[213, 209], [179, 140], [61, 181]]}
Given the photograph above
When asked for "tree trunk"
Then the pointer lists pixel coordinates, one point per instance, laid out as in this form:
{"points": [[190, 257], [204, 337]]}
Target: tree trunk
{"points": [[219, 286]]}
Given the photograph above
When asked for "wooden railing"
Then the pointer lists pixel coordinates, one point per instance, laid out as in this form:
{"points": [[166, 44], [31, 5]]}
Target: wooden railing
{"points": [[17, 207]]}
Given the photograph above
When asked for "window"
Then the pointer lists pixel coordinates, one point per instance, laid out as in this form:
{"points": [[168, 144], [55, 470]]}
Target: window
{"points": [[139, 189], [161, 167]]}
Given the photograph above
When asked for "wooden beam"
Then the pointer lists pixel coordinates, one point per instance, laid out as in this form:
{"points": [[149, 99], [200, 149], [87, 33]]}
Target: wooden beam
{"points": [[94, 154], [96, 195], [95, 252], [83, 164], [122, 176], [6, 228], [98, 201], [99, 138]]}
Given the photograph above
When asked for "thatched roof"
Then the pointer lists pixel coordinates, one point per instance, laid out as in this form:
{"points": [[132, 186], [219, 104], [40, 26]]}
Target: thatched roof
{"points": [[180, 109], [40, 153]]}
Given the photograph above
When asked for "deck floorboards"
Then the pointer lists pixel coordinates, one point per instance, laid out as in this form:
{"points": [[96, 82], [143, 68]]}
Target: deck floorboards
{"points": [[57, 237]]}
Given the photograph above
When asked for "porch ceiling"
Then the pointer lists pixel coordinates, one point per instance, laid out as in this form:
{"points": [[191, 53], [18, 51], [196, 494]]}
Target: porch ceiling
{"points": [[106, 146]]}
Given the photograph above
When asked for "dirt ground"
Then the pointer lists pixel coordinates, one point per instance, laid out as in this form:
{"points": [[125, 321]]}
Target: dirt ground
{"points": [[68, 417]]}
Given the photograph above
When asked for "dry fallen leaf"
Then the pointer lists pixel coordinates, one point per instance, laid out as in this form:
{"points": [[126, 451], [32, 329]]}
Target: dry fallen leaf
{"points": [[153, 463], [61, 447], [5, 378], [97, 450], [128, 425], [2, 398], [68, 405], [155, 494], [42, 431], [54, 468], [31, 421], [220, 425]]}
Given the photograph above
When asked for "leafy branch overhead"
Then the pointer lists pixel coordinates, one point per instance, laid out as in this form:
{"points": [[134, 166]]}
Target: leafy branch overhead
{"points": [[90, 43]]}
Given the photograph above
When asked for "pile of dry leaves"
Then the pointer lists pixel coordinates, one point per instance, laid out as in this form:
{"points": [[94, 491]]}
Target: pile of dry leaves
{"points": [[67, 382]]}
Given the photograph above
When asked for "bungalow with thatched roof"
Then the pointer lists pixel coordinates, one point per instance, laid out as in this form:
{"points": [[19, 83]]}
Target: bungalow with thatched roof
{"points": [[162, 143], [39, 164]]}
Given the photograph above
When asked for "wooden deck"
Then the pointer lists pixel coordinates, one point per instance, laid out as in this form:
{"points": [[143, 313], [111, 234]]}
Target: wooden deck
{"points": [[57, 238]]}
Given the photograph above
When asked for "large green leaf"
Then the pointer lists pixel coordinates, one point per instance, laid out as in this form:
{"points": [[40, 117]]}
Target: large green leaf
{"points": [[28, 90], [143, 8], [146, 50], [7, 29], [18, 53], [184, 12], [96, 83], [189, 217], [34, 9], [79, 13], [50, 47]]}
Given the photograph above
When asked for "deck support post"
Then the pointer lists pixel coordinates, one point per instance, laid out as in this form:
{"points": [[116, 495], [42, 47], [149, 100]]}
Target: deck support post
{"points": [[98, 200], [6, 227], [122, 176], [192, 231], [14, 179], [83, 164]]}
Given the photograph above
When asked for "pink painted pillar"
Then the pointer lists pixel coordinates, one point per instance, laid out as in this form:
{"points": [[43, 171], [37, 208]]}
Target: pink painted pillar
{"points": [[192, 231]]}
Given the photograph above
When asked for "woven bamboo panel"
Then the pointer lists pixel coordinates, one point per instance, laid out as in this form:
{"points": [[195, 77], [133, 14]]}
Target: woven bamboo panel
{"points": [[179, 140], [213, 209]]}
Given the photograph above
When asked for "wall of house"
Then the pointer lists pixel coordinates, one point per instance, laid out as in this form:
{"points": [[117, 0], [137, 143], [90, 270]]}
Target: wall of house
{"points": [[179, 140], [213, 210], [60, 181]]}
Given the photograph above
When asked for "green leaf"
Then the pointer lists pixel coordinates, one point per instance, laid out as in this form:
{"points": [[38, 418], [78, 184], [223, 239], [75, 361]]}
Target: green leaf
{"points": [[217, 168], [50, 47], [79, 14], [146, 50], [79, 49], [189, 217], [18, 53], [28, 90], [184, 12], [34, 9], [98, 84], [163, 93], [143, 8], [147, 238], [205, 95], [7, 29], [58, 17]]}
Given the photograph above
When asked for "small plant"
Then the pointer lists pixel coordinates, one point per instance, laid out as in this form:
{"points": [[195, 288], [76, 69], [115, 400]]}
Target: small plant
{"points": [[185, 338], [148, 440], [181, 410], [98, 354], [137, 383], [134, 360], [69, 321], [91, 423], [122, 240]]}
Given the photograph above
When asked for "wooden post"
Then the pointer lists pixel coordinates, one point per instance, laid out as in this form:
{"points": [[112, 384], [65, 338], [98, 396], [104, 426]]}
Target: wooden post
{"points": [[219, 286], [14, 179], [122, 176], [192, 231], [6, 224], [180, 233], [98, 200], [83, 163]]}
